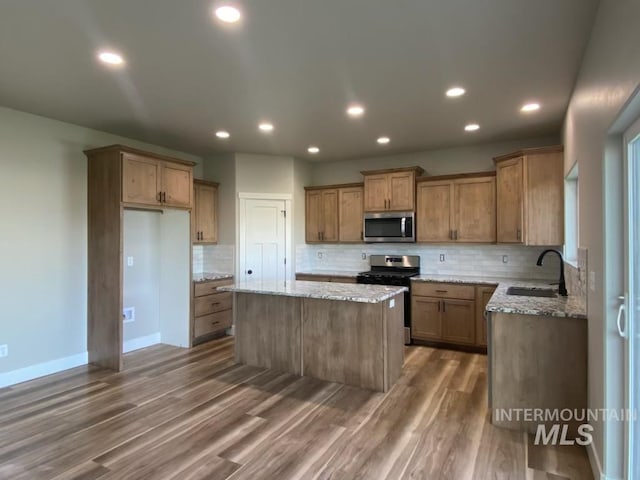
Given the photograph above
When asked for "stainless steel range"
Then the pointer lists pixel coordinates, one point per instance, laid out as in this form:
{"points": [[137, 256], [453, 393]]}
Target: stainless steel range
{"points": [[395, 270]]}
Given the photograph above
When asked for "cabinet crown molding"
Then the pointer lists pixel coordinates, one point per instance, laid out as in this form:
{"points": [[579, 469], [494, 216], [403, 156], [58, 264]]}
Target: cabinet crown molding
{"points": [[337, 185], [418, 171], [136, 151], [490, 173], [529, 151], [205, 182]]}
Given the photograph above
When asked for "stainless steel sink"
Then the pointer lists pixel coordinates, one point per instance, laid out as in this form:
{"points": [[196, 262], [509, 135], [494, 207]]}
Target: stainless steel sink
{"points": [[531, 292]]}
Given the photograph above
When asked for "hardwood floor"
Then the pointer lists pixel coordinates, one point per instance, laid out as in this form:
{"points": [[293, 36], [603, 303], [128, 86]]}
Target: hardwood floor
{"points": [[193, 414]]}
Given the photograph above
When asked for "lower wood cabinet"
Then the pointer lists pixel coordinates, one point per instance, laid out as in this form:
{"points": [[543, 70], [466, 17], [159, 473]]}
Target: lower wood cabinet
{"points": [[449, 313], [212, 310]]}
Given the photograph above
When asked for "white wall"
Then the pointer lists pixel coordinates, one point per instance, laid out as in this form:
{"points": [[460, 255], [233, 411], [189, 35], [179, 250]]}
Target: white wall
{"points": [[43, 240], [475, 158], [608, 77], [141, 288]]}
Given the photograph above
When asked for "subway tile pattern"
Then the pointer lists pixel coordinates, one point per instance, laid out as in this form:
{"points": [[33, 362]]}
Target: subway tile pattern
{"points": [[507, 261], [577, 277], [213, 259]]}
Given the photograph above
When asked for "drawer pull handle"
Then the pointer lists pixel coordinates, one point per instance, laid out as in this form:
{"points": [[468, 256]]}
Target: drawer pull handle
{"points": [[215, 303], [215, 323], [442, 291]]}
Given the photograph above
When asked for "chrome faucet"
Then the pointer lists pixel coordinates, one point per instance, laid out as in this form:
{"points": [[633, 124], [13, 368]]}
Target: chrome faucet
{"points": [[562, 287]]}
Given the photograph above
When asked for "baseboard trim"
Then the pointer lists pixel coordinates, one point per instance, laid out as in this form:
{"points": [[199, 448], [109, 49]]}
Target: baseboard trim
{"points": [[141, 342], [594, 460], [42, 369]]}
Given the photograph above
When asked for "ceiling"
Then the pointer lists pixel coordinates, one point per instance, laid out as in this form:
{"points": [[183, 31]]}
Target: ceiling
{"points": [[298, 64]]}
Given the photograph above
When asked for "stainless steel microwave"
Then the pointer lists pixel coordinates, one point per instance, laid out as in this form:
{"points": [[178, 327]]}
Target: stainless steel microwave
{"points": [[389, 227]]}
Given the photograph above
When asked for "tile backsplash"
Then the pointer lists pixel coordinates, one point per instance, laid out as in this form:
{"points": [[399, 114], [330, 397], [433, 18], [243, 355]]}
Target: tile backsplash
{"points": [[213, 258], [511, 261], [576, 277]]}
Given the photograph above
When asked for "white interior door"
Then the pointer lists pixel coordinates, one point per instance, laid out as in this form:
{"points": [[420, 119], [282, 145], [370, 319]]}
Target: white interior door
{"points": [[629, 315], [263, 240]]}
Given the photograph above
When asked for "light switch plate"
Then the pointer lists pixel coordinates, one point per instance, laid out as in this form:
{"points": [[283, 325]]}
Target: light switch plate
{"points": [[129, 261], [392, 303], [4, 350], [442, 257]]}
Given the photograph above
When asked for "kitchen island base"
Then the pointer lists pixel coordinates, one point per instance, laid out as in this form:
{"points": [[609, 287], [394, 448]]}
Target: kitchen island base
{"points": [[355, 343]]}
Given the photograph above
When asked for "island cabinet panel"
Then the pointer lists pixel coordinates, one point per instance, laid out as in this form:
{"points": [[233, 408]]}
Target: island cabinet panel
{"points": [[345, 340], [268, 332]]}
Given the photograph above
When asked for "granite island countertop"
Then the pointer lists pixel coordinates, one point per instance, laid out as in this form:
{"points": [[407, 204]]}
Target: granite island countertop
{"points": [[351, 292], [567, 307], [209, 276]]}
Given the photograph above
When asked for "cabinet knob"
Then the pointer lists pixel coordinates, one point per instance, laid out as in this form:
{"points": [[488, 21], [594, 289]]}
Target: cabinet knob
{"points": [[249, 272]]}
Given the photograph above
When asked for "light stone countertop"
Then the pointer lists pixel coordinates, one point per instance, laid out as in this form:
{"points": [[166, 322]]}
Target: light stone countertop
{"points": [[557, 306], [331, 273], [351, 292], [208, 276]]}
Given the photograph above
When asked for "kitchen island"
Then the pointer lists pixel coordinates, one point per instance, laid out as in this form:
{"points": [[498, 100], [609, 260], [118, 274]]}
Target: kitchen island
{"points": [[347, 333]]}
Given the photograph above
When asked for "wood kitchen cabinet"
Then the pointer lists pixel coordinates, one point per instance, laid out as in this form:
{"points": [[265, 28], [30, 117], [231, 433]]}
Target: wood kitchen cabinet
{"points": [[350, 214], [205, 208], [121, 178], [456, 208], [151, 181], [212, 310], [391, 189], [334, 213], [443, 313], [530, 197], [312, 277]]}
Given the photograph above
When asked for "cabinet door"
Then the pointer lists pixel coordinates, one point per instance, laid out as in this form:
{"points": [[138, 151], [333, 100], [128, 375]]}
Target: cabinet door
{"points": [[375, 193], [329, 215], [140, 179], [425, 318], [402, 191], [206, 221], [177, 185], [474, 210], [509, 186], [433, 206], [483, 295], [459, 321], [350, 214], [313, 215], [544, 200]]}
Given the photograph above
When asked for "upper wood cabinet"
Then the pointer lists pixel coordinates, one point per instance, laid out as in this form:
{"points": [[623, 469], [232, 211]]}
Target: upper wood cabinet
{"points": [[205, 208], [530, 197], [322, 215], [350, 213], [334, 213], [456, 208], [156, 181], [389, 190]]}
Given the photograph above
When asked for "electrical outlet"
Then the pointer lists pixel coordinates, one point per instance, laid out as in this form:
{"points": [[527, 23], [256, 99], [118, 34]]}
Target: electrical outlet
{"points": [[592, 281], [4, 351], [129, 261], [320, 255], [505, 258], [364, 256], [128, 314], [442, 257]]}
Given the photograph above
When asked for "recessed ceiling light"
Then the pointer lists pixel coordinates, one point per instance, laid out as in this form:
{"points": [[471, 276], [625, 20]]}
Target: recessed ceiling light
{"points": [[228, 13], [355, 110], [530, 107], [313, 149], [383, 140], [222, 134], [110, 58], [472, 127], [455, 92], [266, 127]]}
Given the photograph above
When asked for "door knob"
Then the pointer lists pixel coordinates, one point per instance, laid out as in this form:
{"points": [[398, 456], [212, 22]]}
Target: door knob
{"points": [[249, 272]]}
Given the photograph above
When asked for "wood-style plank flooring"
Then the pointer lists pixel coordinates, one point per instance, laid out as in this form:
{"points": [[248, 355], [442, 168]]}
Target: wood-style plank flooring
{"points": [[194, 414]]}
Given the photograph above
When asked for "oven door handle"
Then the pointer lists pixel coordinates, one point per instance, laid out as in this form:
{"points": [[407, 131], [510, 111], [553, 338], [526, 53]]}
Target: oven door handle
{"points": [[403, 227]]}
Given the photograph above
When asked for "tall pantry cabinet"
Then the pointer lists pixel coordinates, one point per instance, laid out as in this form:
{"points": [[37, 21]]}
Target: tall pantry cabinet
{"points": [[120, 178]]}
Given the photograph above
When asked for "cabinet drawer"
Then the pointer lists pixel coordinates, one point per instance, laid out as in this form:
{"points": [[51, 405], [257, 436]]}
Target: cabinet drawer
{"points": [[207, 288], [443, 290], [213, 322], [212, 303]]}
